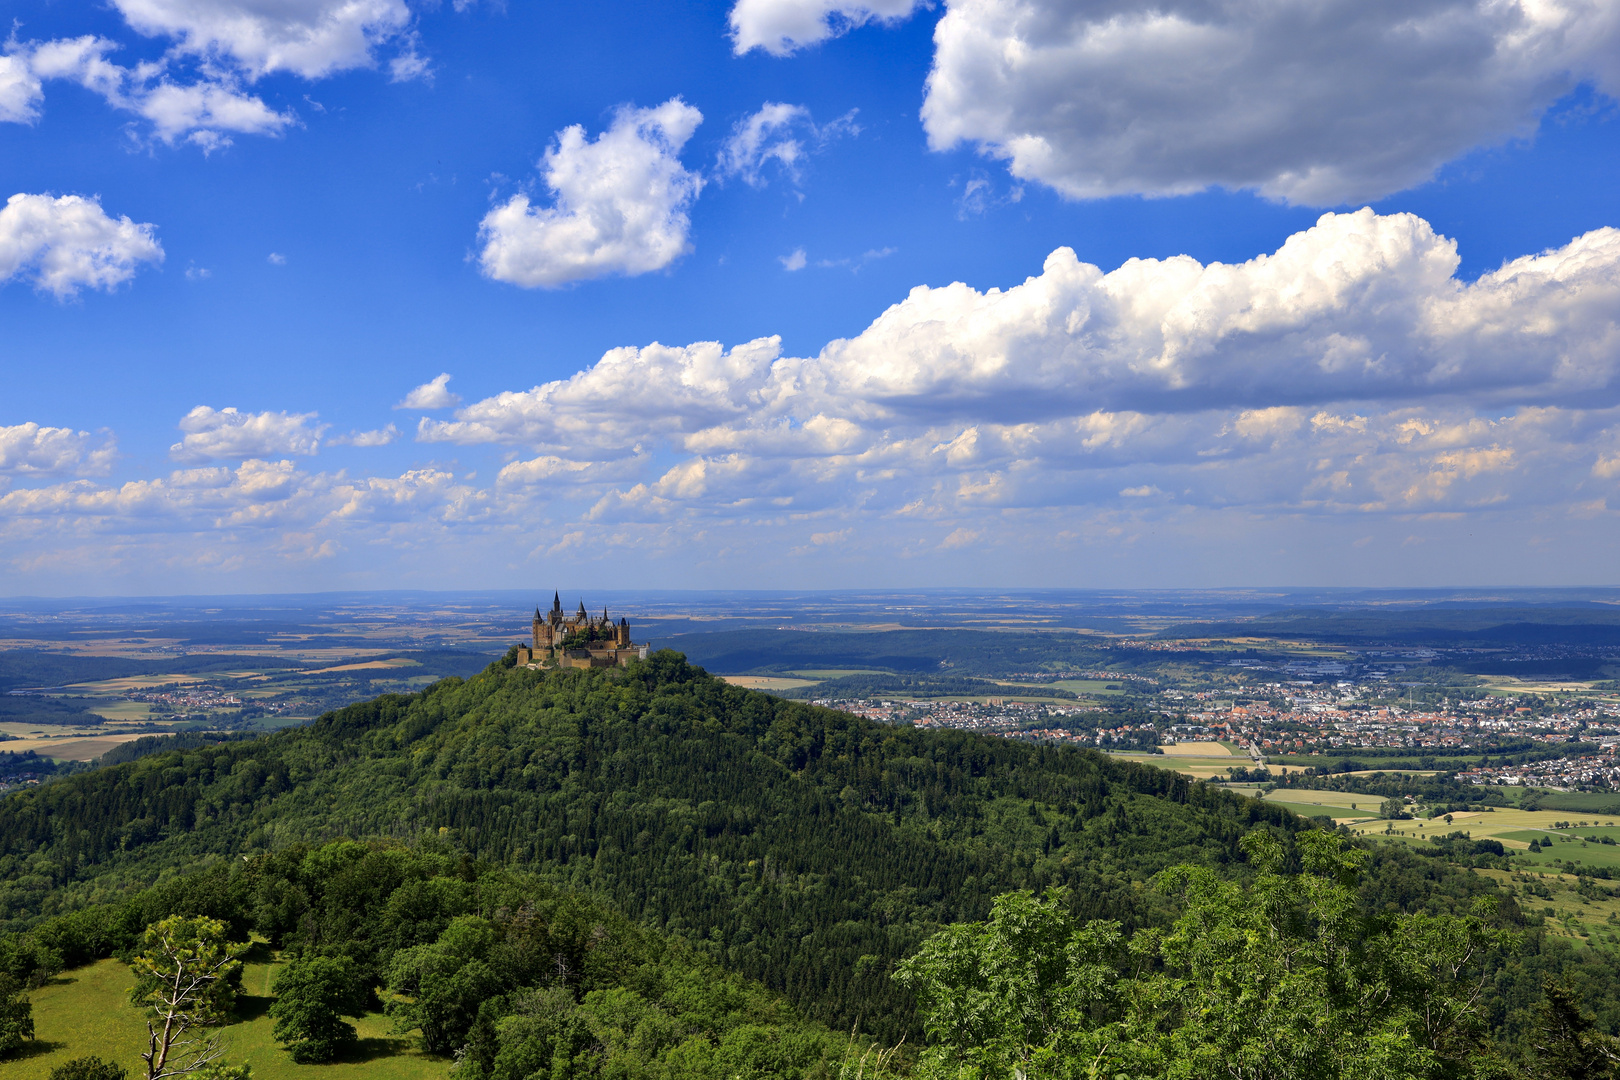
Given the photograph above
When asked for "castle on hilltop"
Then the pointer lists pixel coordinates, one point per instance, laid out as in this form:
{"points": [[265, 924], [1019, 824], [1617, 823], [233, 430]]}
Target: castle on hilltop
{"points": [[578, 640]]}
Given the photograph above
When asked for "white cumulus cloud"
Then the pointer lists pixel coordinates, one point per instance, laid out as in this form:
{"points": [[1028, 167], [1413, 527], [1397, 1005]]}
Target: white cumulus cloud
{"points": [[433, 394], [32, 449], [1316, 102], [781, 27], [228, 433], [312, 38], [206, 111], [196, 91], [20, 91], [69, 243], [629, 395], [377, 437], [620, 204]]}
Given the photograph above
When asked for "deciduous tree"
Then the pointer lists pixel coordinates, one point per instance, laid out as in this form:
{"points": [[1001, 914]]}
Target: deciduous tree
{"points": [[312, 995], [16, 1015]]}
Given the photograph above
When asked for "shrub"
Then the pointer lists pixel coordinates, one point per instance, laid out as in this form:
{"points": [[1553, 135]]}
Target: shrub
{"points": [[89, 1068]]}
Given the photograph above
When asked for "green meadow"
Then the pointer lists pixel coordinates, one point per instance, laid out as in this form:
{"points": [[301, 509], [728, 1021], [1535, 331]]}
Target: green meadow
{"points": [[87, 1011]]}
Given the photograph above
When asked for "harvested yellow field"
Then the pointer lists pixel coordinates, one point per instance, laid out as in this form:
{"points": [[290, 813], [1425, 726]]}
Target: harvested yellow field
{"points": [[70, 748], [1197, 749], [369, 665]]}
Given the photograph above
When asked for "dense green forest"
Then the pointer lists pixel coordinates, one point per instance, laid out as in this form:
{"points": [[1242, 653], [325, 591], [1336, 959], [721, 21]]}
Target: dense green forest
{"points": [[807, 849]]}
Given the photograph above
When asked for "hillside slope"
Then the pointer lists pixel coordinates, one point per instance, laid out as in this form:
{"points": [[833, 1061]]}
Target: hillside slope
{"points": [[807, 848]]}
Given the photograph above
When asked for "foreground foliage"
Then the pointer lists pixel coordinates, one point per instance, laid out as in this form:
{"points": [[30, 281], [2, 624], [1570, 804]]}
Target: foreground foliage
{"points": [[1284, 978]]}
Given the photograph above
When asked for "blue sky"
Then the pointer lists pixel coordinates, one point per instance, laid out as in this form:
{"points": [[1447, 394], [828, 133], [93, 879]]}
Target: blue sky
{"points": [[244, 239]]}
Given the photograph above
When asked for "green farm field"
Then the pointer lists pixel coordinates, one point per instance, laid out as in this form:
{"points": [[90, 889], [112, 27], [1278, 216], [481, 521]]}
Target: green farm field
{"points": [[87, 1011], [1337, 813], [766, 682], [1515, 828], [1090, 687]]}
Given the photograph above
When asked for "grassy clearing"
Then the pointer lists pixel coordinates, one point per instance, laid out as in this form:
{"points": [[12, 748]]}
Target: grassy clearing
{"points": [[87, 1011], [1554, 897]]}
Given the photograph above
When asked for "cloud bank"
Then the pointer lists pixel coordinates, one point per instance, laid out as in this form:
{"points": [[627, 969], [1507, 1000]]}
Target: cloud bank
{"points": [[1315, 102], [1349, 370], [620, 204], [1349, 375]]}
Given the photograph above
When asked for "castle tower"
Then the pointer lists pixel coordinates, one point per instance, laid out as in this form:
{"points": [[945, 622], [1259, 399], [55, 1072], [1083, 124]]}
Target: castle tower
{"points": [[537, 625]]}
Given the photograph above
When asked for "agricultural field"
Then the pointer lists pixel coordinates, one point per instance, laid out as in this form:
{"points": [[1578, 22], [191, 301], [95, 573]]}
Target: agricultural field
{"points": [[1199, 749], [1566, 836], [72, 748], [1200, 767], [87, 1011], [766, 682], [1096, 688]]}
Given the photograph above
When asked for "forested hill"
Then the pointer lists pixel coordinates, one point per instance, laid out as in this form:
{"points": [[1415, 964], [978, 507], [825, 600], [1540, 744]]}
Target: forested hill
{"points": [[807, 848]]}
